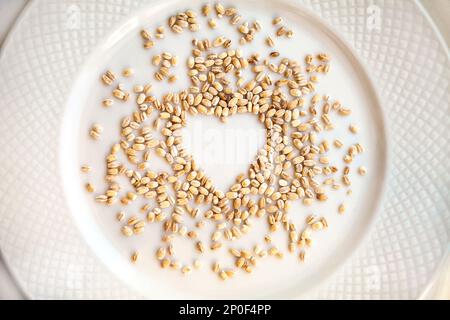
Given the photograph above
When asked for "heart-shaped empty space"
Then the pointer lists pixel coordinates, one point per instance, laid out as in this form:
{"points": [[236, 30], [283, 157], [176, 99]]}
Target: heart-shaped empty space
{"points": [[224, 150]]}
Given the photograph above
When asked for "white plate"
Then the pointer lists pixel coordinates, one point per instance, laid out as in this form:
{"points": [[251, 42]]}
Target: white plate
{"points": [[53, 237]]}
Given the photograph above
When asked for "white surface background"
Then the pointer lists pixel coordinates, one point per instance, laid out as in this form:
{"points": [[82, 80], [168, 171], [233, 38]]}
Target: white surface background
{"points": [[439, 10]]}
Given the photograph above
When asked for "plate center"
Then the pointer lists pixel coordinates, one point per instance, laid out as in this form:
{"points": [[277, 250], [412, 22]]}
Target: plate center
{"points": [[224, 150]]}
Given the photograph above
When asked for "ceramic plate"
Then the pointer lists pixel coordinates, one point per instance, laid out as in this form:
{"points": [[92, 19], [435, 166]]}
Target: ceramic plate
{"points": [[389, 64]]}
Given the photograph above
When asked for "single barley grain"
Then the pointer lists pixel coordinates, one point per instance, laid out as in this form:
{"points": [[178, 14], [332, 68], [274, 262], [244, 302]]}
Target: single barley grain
{"points": [[362, 170], [135, 257], [86, 168], [90, 187], [353, 128]]}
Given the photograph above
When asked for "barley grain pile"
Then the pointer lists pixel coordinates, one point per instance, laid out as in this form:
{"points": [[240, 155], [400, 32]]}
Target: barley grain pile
{"points": [[294, 164]]}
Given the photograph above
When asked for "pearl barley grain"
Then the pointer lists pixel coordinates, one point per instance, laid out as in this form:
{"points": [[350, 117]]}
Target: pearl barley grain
{"points": [[86, 168], [128, 72], [90, 187], [353, 128], [362, 170], [135, 257]]}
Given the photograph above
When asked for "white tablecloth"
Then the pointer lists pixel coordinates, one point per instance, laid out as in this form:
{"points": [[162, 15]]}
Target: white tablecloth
{"points": [[439, 11]]}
